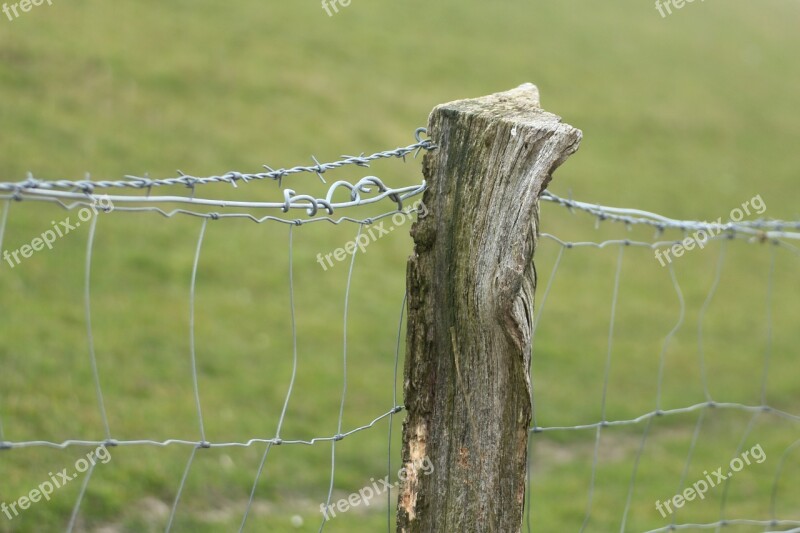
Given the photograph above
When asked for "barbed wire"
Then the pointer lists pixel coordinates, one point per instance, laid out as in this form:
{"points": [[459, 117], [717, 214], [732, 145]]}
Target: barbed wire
{"points": [[756, 230], [88, 186], [32, 188], [647, 419], [632, 217], [668, 412], [73, 194], [292, 200]]}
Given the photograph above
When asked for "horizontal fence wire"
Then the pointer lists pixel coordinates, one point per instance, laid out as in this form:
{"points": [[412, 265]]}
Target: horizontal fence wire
{"points": [[778, 235], [74, 195], [292, 200], [87, 189], [88, 186], [402, 195], [763, 229], [199, 443]]}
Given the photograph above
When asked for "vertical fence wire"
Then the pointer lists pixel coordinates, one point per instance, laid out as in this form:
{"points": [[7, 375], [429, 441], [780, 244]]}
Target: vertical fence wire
{"points": [[394, 405], [768, 325], [690, 455], [89, 333], [668, 339], [3, 221], [704, 411], [344, 381], [726, 486], [179, 493], [291, 382], [192, 346], [712, 291], [81, 494], [606, 378], [195, 381]]}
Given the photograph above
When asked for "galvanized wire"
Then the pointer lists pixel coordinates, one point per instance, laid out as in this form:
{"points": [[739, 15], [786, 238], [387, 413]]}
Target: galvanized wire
{"points": [[291, 200], [291, 382], [74, 194], [88, 186], [10, 445], [759, 228], [704, 409], [344, 381]]}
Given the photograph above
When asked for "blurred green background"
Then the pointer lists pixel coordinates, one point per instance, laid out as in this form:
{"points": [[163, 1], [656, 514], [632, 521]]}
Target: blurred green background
{"points": [[689, 115]]}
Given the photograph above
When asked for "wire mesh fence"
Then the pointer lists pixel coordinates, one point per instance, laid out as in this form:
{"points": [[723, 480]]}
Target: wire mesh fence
{"points": [[83, 204], [701, 385], [648, 364]]}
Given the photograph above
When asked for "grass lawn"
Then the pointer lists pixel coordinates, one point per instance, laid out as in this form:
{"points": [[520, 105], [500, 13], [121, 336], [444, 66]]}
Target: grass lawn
{"points": [[688, 115]]}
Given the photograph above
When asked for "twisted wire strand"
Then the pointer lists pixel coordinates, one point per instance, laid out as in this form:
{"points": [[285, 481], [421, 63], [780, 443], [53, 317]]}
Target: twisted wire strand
{"points": [[319, 209], [239, 215], [232, 177], [291, 200], [628, 216], [72, 194]]}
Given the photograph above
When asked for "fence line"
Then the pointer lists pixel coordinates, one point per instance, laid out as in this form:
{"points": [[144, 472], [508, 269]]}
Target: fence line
{"points": [[765, 229], [83, 193], [702, 408], [88, 186]]}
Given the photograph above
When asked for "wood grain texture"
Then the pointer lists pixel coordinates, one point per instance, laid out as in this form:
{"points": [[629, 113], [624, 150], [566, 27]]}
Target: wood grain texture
{"points": [[471, 283]]}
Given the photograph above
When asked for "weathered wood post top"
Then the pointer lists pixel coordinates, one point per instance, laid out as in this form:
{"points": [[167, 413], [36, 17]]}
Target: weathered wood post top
{"points": [[471, 285]]}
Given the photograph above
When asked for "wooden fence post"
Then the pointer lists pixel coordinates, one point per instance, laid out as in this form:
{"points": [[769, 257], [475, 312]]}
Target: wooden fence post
{"points": [[471, 283]]}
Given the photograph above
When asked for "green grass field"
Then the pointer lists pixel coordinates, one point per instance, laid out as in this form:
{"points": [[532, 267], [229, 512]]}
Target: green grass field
{"points": [[689, 115]]}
